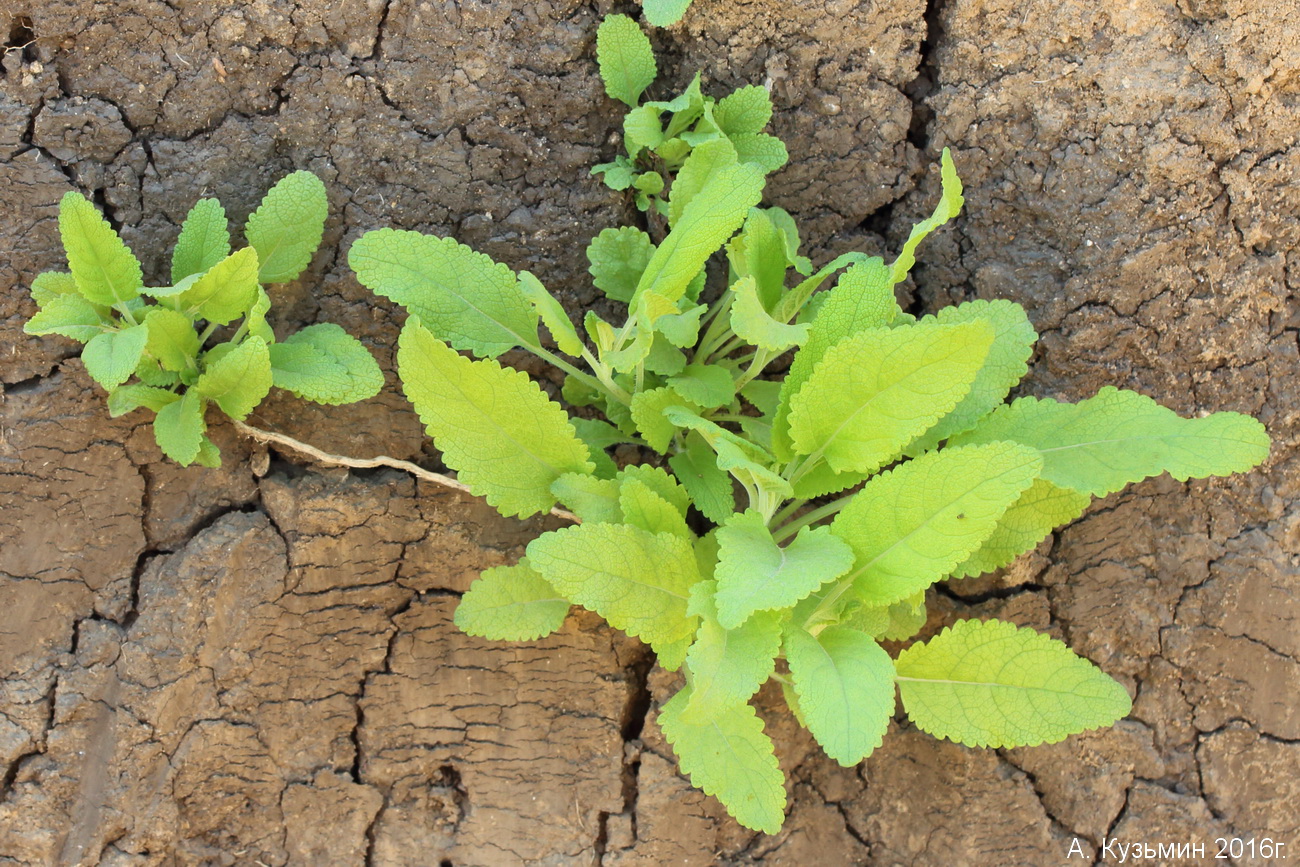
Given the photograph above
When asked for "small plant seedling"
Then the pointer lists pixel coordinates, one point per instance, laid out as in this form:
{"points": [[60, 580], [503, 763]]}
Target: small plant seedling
{"points": [[664, 13], [149, 346], [785, 525]]}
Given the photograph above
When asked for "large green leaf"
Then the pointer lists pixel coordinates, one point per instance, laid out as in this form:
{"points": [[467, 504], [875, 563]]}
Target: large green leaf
{"points": [[753, 324], [845, 684], [876, 391], [910, 526], [225, 291], [1101, 444], [460, 295], [1041, 508], [664, 13], [325, 364], [204, 240], [727, 666], [991, 684], [239, 379], [287, 226], [508, 441], [511, 603], [755, 574], [637, 580], [705, 159], [106, 271], [728, 756], [627, 63]]}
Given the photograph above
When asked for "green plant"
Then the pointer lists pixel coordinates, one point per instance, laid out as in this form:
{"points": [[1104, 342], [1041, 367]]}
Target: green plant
{"points": [[148, 346], [735, 551], [664, 13]]}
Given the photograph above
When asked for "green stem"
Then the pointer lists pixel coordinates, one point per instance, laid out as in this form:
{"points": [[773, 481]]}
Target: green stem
{"points": [[121, 307], [603, 384], [812, 517], [787, 511], [718, 330], [207, 332]]}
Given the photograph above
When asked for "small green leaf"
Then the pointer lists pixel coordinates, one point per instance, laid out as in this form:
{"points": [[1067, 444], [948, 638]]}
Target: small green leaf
{"points": [[209, 455], [664, 13], [760, 252], [765, 151], [204, 240], [178, 428], [598, 436], [1101, 444], [1041, 508], [705, 385], [68, 315], [991, 684], [257, 325], [642, 507], [551, 313], [618, 258], [511, 603], [647, 415], [659, 481], [460, 295], [637, 580], [697, 469], [105, 269], [508, 441], [755, 574], [682, 329], [728, 756], [727, 666], [49, 285], [845, 684], [746, 110], [172, 339], [642, 130], [593, 500], [949, 206], [111, 357], [287, 226], [910, 526], [876, 391], [126, 398], [325, 364], [617, 175], [239, 378], [627, 63], [225, 291], [755, 325], [897, 621]]}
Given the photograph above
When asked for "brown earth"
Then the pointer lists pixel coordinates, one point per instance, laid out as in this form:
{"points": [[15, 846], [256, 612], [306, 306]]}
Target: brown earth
{"points": [[256, 665]]}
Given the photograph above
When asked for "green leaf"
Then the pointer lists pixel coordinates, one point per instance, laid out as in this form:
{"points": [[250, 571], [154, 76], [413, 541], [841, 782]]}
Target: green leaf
{"points": [[1005, 365], [760, 252], [149, 372], [642, 130], [178, 428], [507, 440], [126, 398], [762, 394], [209, 455], [1101, 444], [1041, 508], [651, 183], [728, 756], [664, 358], [755, 574], [105, 269], [49, 285], [949, 206], [627, 63], [637, 580], [617, 175], [991, 684], [551, 313], [659, 481], [897, 621], [727, 666], [225, 292], [325, 364], [876, 391], [664, 13], [862, 298], [239, 378], [287, 226], [511, 603], [682, 329], [910, 526], [111, 357], [696, 467], [755, 325], [822, 480], [765, 151], [647, 415], [705, 160], [642, 507], [204, 240], [746, 110], [598, 436], [845, 684], [461, 296], [705, 385], [618, 258], [257, 325], [705, 224], [172, 339], [592, 499], [68, 315]]}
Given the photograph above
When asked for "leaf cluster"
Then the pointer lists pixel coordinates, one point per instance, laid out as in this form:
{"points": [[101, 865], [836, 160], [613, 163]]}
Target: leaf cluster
{"points": [[204, 339], [785, 526]]}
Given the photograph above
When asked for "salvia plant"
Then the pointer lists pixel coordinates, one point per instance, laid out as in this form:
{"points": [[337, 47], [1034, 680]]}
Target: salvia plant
{"points": [[149, 347], [786, 519]]}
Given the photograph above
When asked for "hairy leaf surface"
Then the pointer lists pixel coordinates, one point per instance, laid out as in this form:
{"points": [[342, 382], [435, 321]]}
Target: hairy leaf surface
{"points": [[325, 364], [845, 684], [1041, 509], [287, 226], [105, 269], [239, 378], [727, 665], [627, 63], [511, 603], [204, 240], [111, 357]]}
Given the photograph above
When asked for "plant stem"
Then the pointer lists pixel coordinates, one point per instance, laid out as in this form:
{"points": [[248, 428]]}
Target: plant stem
{"points": [[121, 307], [207, 332], [812, 517], [367, 463]]}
